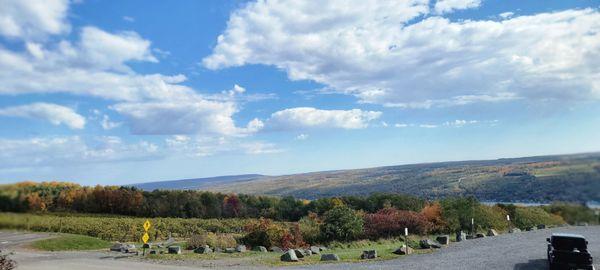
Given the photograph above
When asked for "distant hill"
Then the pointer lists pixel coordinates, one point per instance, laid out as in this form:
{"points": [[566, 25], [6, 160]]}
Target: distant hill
{"points": [[535, 179], [197, 183]]}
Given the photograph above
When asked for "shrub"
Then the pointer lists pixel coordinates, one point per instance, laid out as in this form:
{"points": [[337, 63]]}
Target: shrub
{"points": [[572, 213], [433, 213], [341, 223], [264, 233], [487, 217], [457, 212], [532, 216], [390, 222], [310, 228]]}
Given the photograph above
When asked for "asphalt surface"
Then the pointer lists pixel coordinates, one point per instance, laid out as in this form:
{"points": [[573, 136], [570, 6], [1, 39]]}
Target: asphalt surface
{"points": [[525, 250]]}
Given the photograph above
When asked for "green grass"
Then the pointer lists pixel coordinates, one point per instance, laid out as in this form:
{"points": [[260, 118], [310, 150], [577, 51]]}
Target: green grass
{"points": [[348, 252], [70, 242]]}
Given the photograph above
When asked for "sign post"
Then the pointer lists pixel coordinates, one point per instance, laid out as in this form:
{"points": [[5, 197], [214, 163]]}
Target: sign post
{"points": [[472, 226], [146, 237], [406, 238], [509, 224]]}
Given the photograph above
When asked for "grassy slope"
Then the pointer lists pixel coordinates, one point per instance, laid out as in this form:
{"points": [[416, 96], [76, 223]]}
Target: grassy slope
{"points": [[570, 178], [70, 242]]}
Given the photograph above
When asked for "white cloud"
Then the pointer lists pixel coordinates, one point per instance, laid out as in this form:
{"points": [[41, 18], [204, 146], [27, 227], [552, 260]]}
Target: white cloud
{"points": [[33, 19], [428, 126], [398, 53], [307, 117], [460, 123], [302, 137], [506, 15], [107, 124], [202, 146], [65, 151], [97, 66], [400, 125], [447, 6], [128, 19], [55, 114]]}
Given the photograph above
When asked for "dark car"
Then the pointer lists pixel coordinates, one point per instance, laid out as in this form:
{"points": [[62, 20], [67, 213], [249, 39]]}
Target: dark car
{"points": [[568, 251]]}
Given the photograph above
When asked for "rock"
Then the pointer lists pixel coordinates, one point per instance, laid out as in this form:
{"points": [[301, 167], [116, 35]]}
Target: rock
{"points": [[492, 232], [218, 249], [299, 253], [369, 254], [259, 249], [479, 235], [541, 226], [315, 250], [428, 243], [330, 257], [443, 239], [289, 256], [307, 252], [174, 250], [461, 236], [240, 248], [203, 250], [514, 230], [403, 250], [118, 247], [153, 252], [322, 249], [229, 250], [530, 228], [275, 249], [129, 248], [470, 236]]}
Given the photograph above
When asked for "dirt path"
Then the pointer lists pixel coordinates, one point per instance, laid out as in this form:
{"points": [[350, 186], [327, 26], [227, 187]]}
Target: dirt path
{"points": [[525, 250]]}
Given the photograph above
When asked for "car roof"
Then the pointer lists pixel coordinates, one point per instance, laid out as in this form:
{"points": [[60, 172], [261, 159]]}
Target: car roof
{"points": [[567, 235]]}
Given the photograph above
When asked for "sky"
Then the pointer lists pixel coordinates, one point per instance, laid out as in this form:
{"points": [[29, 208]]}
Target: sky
{"points": [[120, 92]]}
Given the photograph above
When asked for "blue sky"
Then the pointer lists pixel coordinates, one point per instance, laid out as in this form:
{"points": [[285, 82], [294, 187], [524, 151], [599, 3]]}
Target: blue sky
{"points": [[117, 92]]}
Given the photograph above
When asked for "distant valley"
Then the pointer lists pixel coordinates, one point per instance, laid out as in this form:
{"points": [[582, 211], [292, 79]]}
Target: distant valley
{"points": [[533, 179]]}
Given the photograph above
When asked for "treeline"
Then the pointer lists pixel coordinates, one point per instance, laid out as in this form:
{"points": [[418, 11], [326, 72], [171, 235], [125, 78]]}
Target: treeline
{"points": [[69, 197], [374, 216]]}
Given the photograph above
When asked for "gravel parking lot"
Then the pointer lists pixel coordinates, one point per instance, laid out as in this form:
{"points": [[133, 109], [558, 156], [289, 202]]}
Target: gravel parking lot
{"points": [[526, 250]]}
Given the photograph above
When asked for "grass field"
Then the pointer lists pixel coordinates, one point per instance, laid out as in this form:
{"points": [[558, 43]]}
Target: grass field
{"points": [[70, 242]]}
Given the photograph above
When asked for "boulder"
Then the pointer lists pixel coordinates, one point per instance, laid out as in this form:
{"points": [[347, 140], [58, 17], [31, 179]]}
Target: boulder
{"points": [[492, 232], [174, 250], [479, 235], [275, 249], [203, 250], [307, 252], [322, 248], [470, 236], [240, 248], [315, 250], [119, 247], [299, 253], [259, 249], [514, 230], [443, 239], [428, 243], [330, 257], [403, 250], [530, 228], [218, 249], [229, 250], [153, 252], [541, 226], [369, 254], [289, 256], [129, 248]]}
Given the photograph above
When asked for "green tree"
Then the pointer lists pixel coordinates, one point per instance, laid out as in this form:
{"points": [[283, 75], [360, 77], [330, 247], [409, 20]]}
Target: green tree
{"points": [[341, 223]]}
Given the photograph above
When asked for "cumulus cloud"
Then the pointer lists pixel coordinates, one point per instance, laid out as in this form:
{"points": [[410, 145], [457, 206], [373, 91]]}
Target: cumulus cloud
{"points": [[32, 19], [73, 150], [53, 113], [446, 6], [401, 54], [107, 124], [97, 65], [307, 117]]}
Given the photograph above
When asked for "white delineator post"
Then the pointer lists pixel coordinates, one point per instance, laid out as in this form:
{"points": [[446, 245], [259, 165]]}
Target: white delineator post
{"points": [[406, 237]]}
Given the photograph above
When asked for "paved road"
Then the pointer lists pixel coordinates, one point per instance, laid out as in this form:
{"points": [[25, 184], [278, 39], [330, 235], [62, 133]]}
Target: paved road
{"points": [[526, 250]]}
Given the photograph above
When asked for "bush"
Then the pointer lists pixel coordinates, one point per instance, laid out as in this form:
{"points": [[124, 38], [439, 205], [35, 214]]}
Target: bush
{"points": [[490, 217], [572, 213], [211, 239], [264, 233], [341, 223], [457, 212], [532, 216], [390, 222], [433, 213], [310, 228]]}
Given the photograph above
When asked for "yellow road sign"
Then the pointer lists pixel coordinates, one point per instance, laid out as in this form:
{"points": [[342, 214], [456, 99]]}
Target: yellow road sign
{"points": [[145, 238], [147, 225]]}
